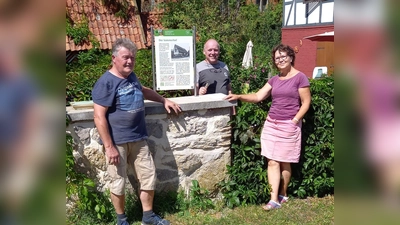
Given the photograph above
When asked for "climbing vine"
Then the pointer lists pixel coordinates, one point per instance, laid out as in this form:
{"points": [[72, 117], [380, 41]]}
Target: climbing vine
{"points": [[79, 32]]}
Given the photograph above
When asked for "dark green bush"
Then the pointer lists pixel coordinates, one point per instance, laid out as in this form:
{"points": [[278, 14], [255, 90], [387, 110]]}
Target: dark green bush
{"points": [[143, 67], [82, 190], [314, 175], [79, 32], [248, 181], [83, 73]]}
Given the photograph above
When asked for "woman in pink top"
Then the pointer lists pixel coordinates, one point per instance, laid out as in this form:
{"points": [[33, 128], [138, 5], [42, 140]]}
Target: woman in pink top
{"points": [[281, 135]]}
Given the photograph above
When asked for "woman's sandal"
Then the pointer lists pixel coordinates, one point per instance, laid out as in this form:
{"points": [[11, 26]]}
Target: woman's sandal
{"points": [[282, 199], [271, 205]]}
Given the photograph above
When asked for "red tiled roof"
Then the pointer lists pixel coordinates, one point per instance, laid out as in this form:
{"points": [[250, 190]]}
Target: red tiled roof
{"points": [[105, 27]]}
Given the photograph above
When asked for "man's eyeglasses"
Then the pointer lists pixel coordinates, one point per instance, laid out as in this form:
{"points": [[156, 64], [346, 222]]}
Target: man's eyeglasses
{"points": [[278, 59]]}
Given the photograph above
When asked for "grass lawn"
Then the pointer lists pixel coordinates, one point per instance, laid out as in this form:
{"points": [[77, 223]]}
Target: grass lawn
{"points": [[296, 211]]}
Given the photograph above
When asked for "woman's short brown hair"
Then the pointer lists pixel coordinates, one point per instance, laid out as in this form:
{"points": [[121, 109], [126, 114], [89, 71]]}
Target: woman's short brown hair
{"points": [[283, 48]]}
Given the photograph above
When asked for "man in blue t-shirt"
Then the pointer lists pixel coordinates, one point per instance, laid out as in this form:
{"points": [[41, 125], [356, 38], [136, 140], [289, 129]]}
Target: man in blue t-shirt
{"points": [[119, 116]]}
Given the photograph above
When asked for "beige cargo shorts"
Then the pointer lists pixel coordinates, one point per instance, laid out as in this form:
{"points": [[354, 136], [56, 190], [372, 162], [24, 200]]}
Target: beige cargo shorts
{"points": [[138, 156]]}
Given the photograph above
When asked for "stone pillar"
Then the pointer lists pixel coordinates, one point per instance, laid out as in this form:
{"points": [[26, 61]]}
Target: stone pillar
{"points": [[194, 145]]}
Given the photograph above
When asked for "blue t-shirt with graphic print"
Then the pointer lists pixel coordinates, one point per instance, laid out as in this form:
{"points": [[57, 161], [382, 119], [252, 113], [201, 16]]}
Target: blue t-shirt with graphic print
{"points": [[125, 115]]}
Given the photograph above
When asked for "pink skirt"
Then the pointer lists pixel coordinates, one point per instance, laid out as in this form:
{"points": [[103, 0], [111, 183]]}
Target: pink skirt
{"points": [[281, 140]]}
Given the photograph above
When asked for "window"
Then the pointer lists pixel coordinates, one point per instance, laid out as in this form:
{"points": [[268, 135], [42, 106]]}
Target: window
{"points": [[311, 5]]}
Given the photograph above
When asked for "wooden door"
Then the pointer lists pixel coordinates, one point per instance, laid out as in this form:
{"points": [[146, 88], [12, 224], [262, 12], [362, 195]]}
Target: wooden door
{"points": [[325, 56]]}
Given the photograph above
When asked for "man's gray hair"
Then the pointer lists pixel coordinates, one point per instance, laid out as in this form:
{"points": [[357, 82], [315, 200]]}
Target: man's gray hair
{"points": [[123, 42]]}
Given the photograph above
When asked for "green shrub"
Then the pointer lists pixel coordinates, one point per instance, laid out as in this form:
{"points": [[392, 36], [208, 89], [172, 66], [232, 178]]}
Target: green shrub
{"points": [[79, 32], [199, 197], [83, 73], [82, 190], [247, 181], [314, 175], [143, 67]]}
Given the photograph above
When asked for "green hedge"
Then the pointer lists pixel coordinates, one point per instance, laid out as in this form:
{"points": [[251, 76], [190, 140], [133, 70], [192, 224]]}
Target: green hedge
{"points": [[314, 175]]}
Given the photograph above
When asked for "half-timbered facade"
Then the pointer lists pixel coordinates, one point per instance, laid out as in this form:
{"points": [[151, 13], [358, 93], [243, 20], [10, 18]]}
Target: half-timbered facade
{"points": [[302, 18]]}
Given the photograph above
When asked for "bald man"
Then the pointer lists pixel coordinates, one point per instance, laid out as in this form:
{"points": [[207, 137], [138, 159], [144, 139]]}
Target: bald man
{"points": [[212, 75]]}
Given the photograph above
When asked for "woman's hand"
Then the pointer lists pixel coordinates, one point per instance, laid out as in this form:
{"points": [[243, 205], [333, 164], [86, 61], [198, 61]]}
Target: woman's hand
{"points": [[232, 97]]}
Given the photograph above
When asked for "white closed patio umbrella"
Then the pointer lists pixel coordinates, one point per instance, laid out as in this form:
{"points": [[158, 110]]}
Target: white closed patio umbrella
{"points": [[248, 56]]}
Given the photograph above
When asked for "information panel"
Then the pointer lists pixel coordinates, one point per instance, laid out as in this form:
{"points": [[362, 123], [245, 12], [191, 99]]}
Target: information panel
{"points": [[174, 59]]}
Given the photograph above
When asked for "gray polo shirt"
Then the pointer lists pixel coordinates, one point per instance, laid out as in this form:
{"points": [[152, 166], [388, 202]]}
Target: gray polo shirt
{"points": [[216, 75]]}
